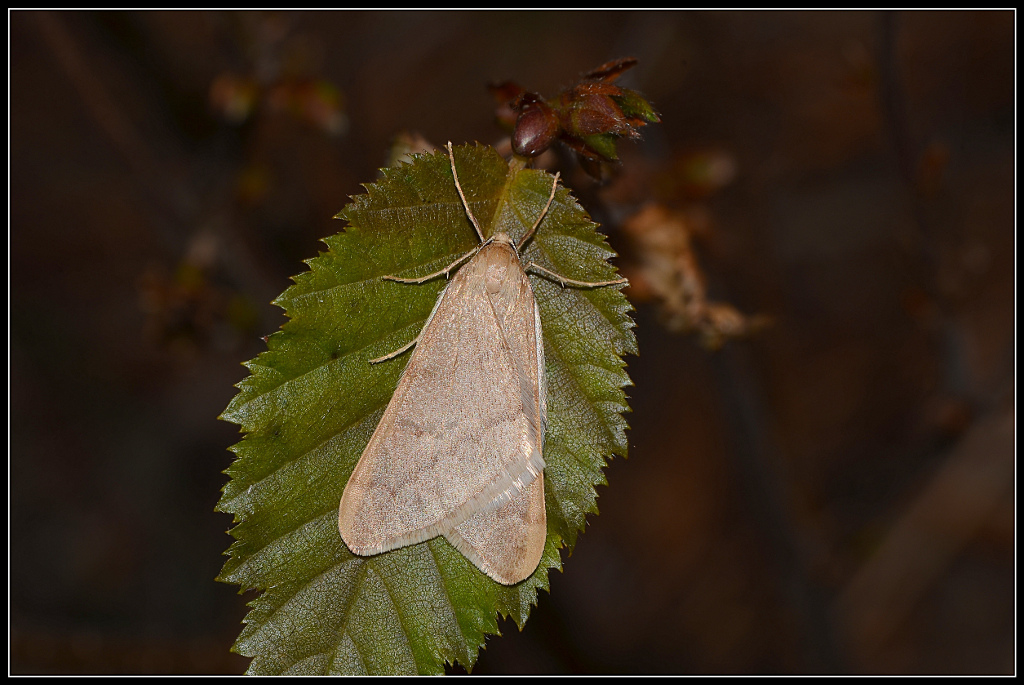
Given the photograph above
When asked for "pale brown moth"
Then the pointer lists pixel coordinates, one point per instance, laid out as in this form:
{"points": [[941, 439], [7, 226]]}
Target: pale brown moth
{"points": [[459, 450]]}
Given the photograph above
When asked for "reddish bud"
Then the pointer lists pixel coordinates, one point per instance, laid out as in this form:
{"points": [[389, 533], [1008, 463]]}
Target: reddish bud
{"points": [[536, 128], [589, 117]]}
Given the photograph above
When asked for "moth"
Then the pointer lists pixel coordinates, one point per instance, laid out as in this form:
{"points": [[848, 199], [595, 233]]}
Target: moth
{"points": [[459, 449]]}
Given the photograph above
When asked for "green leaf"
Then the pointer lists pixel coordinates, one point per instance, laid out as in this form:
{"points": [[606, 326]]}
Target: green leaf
{"points": [[313, 400], [635, 105], [603, 144]]}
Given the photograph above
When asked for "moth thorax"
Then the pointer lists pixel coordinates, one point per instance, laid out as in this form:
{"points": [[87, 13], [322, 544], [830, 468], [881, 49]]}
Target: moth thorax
{"points": [[494, 277]]}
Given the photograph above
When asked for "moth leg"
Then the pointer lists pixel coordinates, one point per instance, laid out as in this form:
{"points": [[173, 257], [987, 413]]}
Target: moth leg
{"points": [[455, 174], [551, 197], [397, 352], [424, 279], [568, 281]]}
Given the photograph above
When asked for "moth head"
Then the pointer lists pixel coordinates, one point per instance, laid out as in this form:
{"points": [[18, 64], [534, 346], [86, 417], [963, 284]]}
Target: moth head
{"points": [[501, 238]]}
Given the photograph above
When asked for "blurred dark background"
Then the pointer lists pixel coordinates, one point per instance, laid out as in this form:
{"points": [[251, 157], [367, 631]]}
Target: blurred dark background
{"points": [[832, 493]]}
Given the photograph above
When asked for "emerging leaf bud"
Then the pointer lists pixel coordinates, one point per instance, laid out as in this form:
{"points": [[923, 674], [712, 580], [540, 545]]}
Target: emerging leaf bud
{"points": [[589, 117]]}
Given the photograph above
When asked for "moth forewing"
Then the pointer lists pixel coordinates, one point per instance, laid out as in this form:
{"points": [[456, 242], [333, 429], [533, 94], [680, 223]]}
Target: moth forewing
{"points": [[506, 542], [541, 374], [462, 433], [506, 539]]}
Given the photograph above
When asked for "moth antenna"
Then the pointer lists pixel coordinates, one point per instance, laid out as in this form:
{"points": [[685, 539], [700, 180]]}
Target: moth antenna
{"points": [[458, 186], [551, 197]]}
